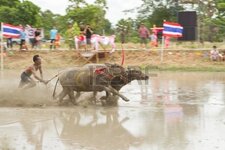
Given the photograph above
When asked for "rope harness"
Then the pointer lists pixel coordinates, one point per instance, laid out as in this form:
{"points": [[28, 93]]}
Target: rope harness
{"points": [[108, 73]]}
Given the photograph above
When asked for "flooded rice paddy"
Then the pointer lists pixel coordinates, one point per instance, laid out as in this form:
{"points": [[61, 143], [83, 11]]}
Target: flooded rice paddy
{"points": [[172, 111]]}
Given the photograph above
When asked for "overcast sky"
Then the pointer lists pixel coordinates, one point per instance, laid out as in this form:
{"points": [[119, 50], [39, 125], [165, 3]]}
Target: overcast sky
{"points": [[114, 13]]}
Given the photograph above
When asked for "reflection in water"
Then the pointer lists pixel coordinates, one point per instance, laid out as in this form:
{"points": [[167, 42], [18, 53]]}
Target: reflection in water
{"points": [[98, 129], [174, 111], [80, 128]]}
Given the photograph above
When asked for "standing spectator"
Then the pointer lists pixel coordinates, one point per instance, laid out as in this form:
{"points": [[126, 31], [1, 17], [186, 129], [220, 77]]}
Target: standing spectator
{"points": [[30, 35], [82, 42], [9, 42], [167, 41], [57, 40], [37, 38], [88, 33], [53, 33], [154, 40], [23, 35], [143, 34]]}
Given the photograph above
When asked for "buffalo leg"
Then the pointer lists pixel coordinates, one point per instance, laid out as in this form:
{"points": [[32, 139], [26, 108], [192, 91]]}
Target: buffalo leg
{"points": [[107, 95], [62, 95], [94, 97], [77, 95], [71, 96], [113, 91]]}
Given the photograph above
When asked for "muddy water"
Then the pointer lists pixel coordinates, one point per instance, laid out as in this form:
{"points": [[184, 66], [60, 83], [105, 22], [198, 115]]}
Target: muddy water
{"points": [[173, 111]]}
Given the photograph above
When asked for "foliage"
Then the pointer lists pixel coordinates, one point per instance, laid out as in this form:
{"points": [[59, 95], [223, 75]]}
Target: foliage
{"points": [[47, 21], [152, 12], [16, 12], [9, 15], [127, 28], [73, 30], [209, 14], [11, 3], [28, 13], [89, 14], [81, 3]]}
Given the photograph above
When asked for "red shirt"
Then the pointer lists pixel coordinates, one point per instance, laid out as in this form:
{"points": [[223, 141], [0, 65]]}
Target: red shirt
{"points": [[143, 32]]}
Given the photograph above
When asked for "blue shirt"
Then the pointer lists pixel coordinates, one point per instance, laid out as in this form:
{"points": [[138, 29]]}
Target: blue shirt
{"points": [[22, 35], [53, 33]]}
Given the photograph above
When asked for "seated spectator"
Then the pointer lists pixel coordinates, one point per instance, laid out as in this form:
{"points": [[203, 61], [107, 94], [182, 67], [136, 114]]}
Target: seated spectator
{"points": [[215, 55]]}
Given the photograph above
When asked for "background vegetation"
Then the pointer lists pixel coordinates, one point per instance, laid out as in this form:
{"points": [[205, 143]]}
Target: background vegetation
{"points": [[211, 16]]}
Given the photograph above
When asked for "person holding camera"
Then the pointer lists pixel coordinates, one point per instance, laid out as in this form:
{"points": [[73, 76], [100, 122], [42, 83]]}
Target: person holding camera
{"points": [[88, 33]]}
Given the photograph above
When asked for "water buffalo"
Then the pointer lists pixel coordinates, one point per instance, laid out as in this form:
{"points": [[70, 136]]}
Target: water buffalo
{"points": [[90, 78], [134, 73], [117, 83]]}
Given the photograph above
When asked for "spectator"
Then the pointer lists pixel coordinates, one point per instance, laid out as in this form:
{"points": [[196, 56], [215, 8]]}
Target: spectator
{"points": [[82, 42], [9, 42], [153, 39], [23, 35], [30, 35], [88, 33], [144, 35], [37, 38], [167, 41], [57, 40], [215, 55], [53, 33]]}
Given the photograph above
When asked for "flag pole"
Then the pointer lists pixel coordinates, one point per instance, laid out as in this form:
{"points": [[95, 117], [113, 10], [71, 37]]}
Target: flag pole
{"points": [[2, 48], [162, 49]]}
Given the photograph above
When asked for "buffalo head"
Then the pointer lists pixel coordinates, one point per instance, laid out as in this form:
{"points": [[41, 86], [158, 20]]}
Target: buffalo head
{"points": [[136, 74]]}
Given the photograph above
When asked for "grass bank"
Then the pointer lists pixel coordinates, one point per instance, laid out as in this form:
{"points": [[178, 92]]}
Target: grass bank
{"points": [[179, 60]]}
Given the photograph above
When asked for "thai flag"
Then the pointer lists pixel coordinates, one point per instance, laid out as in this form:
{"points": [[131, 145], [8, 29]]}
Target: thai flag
{"points": [[11, 31], [172, 29]]}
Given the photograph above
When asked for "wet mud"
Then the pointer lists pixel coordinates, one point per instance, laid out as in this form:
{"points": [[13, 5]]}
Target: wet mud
{"points": [[171, 111]]}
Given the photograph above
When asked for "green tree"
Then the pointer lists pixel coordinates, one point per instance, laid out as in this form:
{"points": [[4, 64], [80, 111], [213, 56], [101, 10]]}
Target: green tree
{"points": [[9, 15], [29, 13], [101, 3], [149, 6], [76, 3], [90, 14], [127, 28], [81, 3], [8, 11], [9, 3], [16, 12], [221, 6], [48, 20], [72, 30]]}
